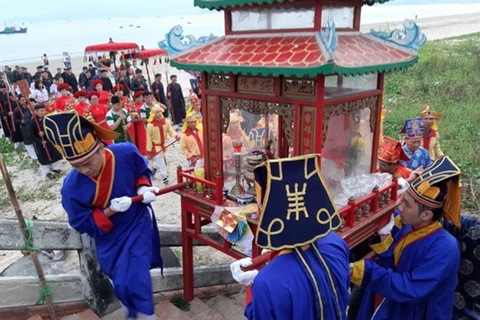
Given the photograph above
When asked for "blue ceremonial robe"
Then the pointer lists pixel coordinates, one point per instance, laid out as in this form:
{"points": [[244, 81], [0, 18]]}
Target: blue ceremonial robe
{"points": [[282, 290], [467, 296], [419, 158], [414, 274], [128, 243]]}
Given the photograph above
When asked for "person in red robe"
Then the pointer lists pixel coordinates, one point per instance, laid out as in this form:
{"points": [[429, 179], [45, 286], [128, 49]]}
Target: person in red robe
{"points": [[137, 129], [389, 155], [82, 104], [118, 91], [65, 100], [98, 112], [103, 96]]}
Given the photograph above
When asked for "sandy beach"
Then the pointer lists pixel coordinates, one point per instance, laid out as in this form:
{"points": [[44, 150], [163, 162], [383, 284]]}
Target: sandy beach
{"points": [[45, 202]]}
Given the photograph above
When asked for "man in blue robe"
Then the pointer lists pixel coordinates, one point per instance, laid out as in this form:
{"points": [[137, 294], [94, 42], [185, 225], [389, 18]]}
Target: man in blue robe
{"points": [[415, 274], [418, 155], [307, 276], [96, 195]]}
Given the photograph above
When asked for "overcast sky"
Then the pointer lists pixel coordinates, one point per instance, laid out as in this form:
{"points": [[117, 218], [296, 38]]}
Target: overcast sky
{"points": [[35, 10], [18, 11]]}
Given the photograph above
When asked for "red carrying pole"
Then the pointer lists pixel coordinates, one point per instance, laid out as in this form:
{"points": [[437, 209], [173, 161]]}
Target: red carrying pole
{"points": [[168, 189]]}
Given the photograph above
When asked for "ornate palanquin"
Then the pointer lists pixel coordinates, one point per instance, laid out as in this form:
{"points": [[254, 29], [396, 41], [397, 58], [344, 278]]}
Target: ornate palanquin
{"points": [[315, 89]]}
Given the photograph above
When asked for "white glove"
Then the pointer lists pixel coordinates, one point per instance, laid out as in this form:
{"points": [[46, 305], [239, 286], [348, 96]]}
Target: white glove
{"points": [[265, 251], [148, 193], [388, 228], [244, 278], [144, 189], [403, 184], [148, 197], [121, 204]]}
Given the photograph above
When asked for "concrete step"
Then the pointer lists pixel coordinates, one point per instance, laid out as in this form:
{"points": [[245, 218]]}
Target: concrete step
{"points": [[84, 315], [166, 310], [239, 298], [227, 307], [117, 314], [199, 310]]}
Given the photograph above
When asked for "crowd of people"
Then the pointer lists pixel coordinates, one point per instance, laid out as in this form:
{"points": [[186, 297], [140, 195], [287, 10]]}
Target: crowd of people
{"points": [[122, 102]]}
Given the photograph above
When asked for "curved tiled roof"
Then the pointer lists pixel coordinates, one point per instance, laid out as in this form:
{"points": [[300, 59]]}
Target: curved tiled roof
{"points": [[294, 56]]}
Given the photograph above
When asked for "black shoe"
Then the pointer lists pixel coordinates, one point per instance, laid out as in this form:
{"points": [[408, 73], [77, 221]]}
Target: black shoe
{"points": [[50, 175], [165, 181], [57, 171], [154, 171]]}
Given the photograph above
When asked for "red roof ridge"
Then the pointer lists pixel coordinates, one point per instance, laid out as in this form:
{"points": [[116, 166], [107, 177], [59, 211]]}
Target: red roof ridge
{"points": [[271, 35]]}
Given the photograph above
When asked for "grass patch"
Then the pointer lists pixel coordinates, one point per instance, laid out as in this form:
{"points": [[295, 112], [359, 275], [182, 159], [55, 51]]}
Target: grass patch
{"points": [[446, 78], [177, 301]]}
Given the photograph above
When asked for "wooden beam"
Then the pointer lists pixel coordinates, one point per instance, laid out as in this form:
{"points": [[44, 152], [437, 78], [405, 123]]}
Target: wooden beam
{"points": [[171, 235], [61, 309], [49, 235], [25, 291]]}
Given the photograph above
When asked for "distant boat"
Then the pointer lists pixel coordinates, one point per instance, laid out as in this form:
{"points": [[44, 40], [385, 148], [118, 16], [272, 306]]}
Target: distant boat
{"points": [[130, 25], [121, 27], [139, 26], [13, 30]]}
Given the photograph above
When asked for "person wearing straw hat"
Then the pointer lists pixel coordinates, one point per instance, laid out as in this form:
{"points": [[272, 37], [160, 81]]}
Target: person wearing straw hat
{"points": [[431, 138], [307, 276], [417, 155], [191, 142], [158, 129], [415, 272], [96, 194]]}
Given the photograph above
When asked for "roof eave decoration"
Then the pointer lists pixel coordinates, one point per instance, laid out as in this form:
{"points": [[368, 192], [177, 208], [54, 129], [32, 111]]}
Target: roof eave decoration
{"points": [[329, 38], [223, 4], [326, 69], [411, 37], [346, 53], [176, 42]]}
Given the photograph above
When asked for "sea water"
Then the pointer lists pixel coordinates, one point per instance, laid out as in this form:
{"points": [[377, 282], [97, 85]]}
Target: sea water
{"points": [[56, 36]]}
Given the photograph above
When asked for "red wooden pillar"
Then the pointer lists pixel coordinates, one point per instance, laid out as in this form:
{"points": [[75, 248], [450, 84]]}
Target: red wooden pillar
{"points": [[378, 116], [319, 113], [187, 253]]}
